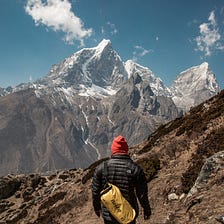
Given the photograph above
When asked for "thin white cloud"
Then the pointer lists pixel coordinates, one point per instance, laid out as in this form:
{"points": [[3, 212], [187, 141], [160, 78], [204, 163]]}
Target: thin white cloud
{"points": [[222, 10], [113, 29], [139, 52], [58, 15], [190, 23], [209, 39], [109, 28], [102, 30]]}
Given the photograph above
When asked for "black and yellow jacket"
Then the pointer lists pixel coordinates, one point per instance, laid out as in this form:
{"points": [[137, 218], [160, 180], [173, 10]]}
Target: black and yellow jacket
{"points": [[125, 174]]}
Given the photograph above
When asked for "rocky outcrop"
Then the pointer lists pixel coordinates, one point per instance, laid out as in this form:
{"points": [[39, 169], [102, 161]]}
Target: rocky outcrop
{"points": [[214, 165], [40, 199]]}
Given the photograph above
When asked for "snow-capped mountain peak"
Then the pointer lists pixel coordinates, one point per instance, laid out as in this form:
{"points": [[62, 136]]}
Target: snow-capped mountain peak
{"points": [[103, 44], [197, 80], [133, 67], [147, 75], [97, 71]]}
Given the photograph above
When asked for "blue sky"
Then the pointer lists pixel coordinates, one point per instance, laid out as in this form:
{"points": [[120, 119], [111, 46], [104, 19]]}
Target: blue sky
{"points": [[167, 36]]}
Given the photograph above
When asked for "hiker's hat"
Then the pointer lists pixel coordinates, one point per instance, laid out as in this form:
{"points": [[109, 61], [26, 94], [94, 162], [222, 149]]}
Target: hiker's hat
{"points": [[119, 145]]}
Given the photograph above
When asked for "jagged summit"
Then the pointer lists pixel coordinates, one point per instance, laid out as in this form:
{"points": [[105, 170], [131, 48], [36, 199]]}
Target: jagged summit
{"points": [[104, 43], [196, 77], [193, 86], [133, 67], [205, 65], [95, 71], [147, 75]]}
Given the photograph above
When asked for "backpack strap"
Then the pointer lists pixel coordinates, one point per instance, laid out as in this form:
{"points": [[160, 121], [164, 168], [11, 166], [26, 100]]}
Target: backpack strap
{"points": [[105, 171]]}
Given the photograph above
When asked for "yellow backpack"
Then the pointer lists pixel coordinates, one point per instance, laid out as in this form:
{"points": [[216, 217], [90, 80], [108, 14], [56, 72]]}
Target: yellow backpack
{"points": [[115, 202]]}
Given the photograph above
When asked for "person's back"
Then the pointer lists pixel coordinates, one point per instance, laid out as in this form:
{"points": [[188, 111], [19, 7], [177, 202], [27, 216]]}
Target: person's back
{"points": [[125, 174]]}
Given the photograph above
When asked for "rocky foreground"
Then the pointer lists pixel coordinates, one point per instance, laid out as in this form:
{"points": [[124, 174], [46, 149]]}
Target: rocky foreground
{"points": [[57, 198], [184, 165]]}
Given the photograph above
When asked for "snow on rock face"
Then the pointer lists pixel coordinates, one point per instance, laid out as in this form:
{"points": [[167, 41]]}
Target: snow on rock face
{"points": [[147, 75], [196, 78], [93, 71], [100, 72], [194, 86]]}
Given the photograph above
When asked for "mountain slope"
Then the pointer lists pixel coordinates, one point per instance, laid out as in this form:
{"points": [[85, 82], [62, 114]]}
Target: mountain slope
{"points": [[190, 151], [68, 118], [35, 136]]}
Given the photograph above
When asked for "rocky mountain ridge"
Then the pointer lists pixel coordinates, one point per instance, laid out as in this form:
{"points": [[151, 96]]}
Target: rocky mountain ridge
{"points": [[101, 71], [183, 161], [69, 118]]}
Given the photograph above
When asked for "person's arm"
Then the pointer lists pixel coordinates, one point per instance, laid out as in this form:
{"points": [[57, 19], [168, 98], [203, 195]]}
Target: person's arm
{"points": [[96, 188], [142, 193]]}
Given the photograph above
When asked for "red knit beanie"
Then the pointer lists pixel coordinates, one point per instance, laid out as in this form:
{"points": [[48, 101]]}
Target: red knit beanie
{"points": [[119, 145]]}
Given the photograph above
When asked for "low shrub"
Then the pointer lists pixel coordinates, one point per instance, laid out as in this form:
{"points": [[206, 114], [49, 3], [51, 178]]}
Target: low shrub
{"points": [[150, 166]]}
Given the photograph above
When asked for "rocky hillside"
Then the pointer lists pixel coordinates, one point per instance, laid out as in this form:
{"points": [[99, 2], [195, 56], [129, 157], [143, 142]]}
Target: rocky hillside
{"points": [[49, 133], [184, 165]]}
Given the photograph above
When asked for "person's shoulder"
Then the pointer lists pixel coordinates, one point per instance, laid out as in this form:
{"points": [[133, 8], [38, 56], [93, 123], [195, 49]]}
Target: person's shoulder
{"points": [[102, 164], [135, 166], [98, 168]]}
